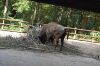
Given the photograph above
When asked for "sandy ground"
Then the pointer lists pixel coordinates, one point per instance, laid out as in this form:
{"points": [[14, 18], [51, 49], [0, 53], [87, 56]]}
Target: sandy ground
{"points": [[12, 34], [75, 53], [85, 47], [11, 57]]}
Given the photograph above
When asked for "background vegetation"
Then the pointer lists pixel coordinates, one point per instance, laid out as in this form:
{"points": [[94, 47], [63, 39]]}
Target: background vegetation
{"points": [[34, 12]]}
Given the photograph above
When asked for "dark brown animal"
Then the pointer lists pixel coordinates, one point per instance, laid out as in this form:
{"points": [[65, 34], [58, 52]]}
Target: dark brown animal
{"points": [[53, 31]]}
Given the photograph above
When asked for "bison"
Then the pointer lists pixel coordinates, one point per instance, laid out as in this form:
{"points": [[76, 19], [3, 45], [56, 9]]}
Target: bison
{"points": [[53, 32]]}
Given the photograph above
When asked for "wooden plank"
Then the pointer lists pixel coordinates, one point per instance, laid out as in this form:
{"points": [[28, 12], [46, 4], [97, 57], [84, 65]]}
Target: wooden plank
{"points": [[82, 29], [17, 20]]}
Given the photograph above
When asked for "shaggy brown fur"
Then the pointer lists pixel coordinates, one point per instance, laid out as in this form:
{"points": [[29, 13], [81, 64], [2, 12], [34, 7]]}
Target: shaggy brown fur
{"points": [[53, 31]]}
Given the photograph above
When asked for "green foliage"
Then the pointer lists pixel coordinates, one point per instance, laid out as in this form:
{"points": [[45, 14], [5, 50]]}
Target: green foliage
{"points": [[22, 5], [84, 37], [76, 18], [96, 36], [34, 12], [1, 8]]}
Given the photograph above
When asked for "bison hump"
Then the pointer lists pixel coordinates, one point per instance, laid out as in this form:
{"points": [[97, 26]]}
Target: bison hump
{"points": [[60, 27]]}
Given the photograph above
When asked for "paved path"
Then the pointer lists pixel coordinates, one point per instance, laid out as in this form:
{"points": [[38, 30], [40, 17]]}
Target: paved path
{"points": [[11, 57]]}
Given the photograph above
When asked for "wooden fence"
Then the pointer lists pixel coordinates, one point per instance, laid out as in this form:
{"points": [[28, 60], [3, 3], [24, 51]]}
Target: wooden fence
{"points": [[84, 35], [78, 34], [2, 24]]}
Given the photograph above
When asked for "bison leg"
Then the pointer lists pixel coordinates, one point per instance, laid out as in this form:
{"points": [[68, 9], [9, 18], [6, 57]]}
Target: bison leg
{"points": [[43, 38], [56, 40], [62, 42], [51, 40]]}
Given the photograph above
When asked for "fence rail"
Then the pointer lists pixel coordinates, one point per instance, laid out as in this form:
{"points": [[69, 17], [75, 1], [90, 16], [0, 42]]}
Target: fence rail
{"points": [[20, 24], [92, 38], [82, 29], [17, 20]]}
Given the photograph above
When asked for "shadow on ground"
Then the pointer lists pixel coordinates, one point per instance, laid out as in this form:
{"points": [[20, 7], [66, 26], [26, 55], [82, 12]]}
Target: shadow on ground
{"points": [[25, 43]]}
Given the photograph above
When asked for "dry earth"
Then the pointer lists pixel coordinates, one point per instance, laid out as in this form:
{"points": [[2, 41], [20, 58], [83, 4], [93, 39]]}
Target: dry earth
{"points": [[75, 53], [11, 57]]}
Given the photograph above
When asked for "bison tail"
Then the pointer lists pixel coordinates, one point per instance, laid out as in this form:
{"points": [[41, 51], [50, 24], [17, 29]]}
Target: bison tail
{"points": [[67, 32]]}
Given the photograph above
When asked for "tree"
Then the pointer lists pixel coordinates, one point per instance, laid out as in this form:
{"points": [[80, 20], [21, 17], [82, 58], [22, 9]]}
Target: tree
{"points": [[5, 8]]}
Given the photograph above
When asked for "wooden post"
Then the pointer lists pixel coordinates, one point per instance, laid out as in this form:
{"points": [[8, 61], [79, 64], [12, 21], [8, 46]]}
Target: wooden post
{"points": [[75, 33], [3, 25], [33, 17], [93, 35], [21, 26]]}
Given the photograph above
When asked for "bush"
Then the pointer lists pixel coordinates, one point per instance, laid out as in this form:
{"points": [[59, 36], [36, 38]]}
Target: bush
{"points": [[96, 36]]}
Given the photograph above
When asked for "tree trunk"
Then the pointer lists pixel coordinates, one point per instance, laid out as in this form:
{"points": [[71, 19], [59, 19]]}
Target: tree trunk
{"points": [[5, 11], [34, 14], [5, 8]]}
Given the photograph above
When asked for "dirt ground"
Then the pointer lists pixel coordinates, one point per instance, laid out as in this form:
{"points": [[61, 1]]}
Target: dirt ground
{"points": [[12, 57], [75, 53], [88, 48]]}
